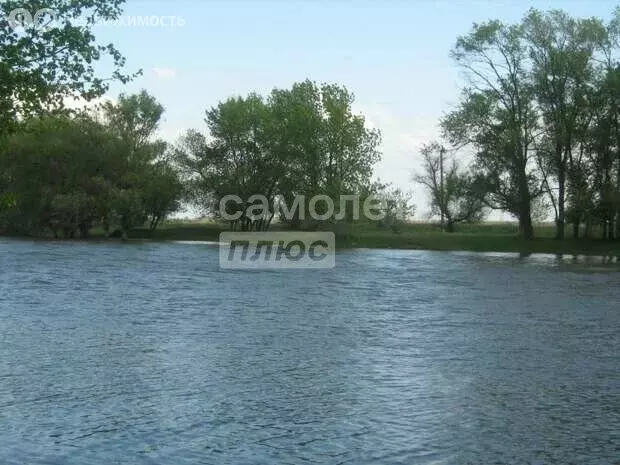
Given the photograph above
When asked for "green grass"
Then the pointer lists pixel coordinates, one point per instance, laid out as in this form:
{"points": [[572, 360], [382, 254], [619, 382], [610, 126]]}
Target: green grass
{"points": [[480, 242], [181, 232], [484, 237]]}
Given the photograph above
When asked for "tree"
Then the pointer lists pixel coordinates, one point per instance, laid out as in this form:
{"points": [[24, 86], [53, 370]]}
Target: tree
{"points": [[135, 118], [42, 66], [303, 141], [59, 173], [67, 174], [562, 50], [396, 205], [328, 150], [148, 186], [195, 161], [242, 163], [454, 194], [162, 194], [497, 117], [604, 147]]}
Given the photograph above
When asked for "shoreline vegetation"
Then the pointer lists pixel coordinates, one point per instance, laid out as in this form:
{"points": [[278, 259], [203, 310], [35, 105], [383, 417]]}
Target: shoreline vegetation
{"points": [[482, 237], [535, 133]]}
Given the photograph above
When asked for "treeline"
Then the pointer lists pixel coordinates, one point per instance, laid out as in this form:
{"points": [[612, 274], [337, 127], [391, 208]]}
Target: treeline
{"points": [[291, 146], [541, 115], [65, 174]]}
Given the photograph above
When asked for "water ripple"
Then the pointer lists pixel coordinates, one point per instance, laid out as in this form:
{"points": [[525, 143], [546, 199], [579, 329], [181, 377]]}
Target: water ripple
{"points": [[150, 354]]}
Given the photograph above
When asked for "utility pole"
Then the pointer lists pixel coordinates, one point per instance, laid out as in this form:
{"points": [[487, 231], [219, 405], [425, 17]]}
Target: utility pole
{"points": [[442, 152]]}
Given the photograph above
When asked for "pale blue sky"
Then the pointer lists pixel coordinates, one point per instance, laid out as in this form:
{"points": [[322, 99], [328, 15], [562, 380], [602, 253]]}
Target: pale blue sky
{"points": [[393, 54]]}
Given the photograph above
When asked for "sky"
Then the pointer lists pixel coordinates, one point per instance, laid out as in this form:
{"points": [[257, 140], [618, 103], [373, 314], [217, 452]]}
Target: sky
{"points": [[392, 54]]}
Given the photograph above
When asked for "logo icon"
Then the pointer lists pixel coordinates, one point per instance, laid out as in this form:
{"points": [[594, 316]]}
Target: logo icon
{"points": [[42, 19], [20, 17]]}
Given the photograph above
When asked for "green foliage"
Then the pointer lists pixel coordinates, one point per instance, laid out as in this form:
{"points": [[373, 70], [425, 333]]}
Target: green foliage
{"points": [[161, 192], [66, 175], [541, 114], [55, 169], [456, 195], [41, 66], [397, 206], [299, 141], [497, 116], [135, 118]]}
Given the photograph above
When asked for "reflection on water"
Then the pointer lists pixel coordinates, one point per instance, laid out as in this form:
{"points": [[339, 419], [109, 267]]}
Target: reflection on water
{"points": [[148, 353], [563, 262]]}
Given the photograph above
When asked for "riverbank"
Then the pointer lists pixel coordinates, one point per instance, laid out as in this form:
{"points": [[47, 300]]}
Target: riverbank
{"points": [[486, 237]]}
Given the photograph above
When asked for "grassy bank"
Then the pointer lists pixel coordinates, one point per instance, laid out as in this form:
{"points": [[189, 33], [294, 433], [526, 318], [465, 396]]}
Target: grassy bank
{"points": [[487, 237]]}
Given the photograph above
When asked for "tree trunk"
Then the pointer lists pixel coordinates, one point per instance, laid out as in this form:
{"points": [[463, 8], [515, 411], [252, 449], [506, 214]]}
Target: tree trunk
{"points": [[84, 230], [576, 229], [587, 233], [269, 221], [526, 229], [559, 224], [295, 222]]}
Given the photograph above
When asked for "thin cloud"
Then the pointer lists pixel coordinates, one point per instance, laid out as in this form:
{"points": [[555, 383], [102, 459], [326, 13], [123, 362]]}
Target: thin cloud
{"points": [[165, 73]]}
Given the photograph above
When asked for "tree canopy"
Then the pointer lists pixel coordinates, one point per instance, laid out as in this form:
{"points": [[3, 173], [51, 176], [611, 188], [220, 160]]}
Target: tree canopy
{"points": [[540, 112], [303, 141], [44, 63]]}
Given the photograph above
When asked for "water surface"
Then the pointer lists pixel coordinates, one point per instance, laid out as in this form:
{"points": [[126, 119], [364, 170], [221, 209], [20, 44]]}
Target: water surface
{"points": [[150, 354]]}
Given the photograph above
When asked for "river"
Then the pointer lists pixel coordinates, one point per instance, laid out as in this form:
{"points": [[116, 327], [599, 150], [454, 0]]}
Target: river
{"points": [[149, 353]]}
